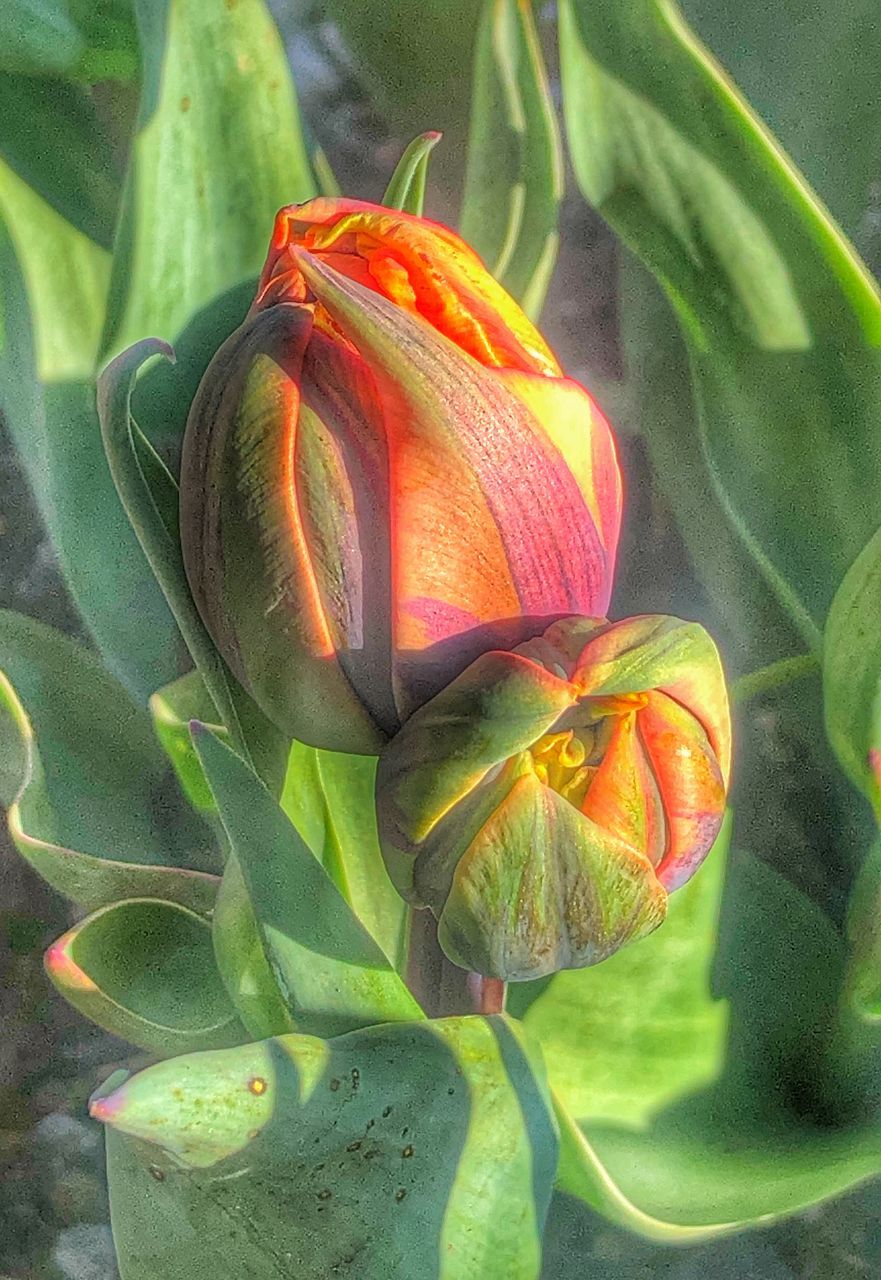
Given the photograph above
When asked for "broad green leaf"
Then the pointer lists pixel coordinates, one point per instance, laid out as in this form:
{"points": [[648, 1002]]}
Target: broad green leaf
{"points": [[598, 1041], [759, 626], [864, 936], [333, 975], [408, 1152], [243, 961], [852, 672], [329, 797], [745, 1147], [172, 709], [91, 804], [58, 142], [779, 57], [144, 970], [52, 288], [149, 494], [406, 190], [85, 39], [781, 318], [218, 150], [514, 176]]}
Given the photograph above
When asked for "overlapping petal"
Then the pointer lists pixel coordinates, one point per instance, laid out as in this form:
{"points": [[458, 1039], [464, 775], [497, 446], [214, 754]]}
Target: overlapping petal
{"points": [[367, 505], [547, 800]]}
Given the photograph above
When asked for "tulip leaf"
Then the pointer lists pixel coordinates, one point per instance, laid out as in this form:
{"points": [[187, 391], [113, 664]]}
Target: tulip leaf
{"points": [[329, 797], [53, 283], [738, 1149], [91, 805], [72, 168], [514, 176], [217, 151], [333, 975], [150, 496], [406, 189], [243, 961], [172, 709], [769, 58], [781, 319], [144, 970], [852, 672], [407, 1152], [81, 39]]}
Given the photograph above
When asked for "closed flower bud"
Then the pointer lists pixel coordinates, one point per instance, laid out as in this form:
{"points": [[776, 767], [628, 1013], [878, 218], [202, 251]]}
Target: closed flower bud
{"points": [[546, 802], [385, 474]]}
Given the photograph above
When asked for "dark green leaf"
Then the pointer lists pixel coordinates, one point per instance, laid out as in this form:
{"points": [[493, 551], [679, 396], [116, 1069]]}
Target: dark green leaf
{"points": [[149, 495], [780, 316], [333, 975], [52, 273], [218, 150], [406, 190], [409, 1152], [172, 709], [144, 970], [514, 178], [91, 805], [852, 672], [54, 138], [744, 1147], [85, 39], [329, 797]]}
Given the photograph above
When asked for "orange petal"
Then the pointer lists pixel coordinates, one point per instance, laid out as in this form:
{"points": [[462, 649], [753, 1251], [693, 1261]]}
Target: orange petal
{"points": [[690, 784], [419, 265]]}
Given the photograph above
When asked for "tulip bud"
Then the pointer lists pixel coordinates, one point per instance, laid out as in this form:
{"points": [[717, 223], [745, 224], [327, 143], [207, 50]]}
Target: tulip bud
{"points": [[545, 803], [385, 475]]}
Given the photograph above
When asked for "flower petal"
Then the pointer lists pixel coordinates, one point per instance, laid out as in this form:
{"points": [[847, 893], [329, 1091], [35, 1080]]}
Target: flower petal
{"points": [[543, 888], [420, 266], [245, 547], [492, 533], [690, 783]]}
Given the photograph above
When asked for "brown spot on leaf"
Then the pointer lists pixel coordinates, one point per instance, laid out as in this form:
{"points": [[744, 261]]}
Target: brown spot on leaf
{"points": [[156, 1173], [257, 1085], [185, 103]]}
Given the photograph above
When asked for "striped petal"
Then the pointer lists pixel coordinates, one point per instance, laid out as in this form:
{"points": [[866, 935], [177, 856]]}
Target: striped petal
{"points": [[543, 888], [246, 547], [690, 783], [658, 652], [493, 534], [419, 266]]}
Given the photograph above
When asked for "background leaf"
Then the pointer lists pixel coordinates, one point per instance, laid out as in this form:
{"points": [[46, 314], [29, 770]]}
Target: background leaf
{"points": [[422, 1151], [91, 804], [144, 970], [852, 672], [217, 151], [514, 175], [48, 339], [748, 1145], [779, 316]]}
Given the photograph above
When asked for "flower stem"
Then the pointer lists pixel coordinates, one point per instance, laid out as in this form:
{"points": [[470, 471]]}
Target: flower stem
{"points": [[774, 676], [488, 994]]}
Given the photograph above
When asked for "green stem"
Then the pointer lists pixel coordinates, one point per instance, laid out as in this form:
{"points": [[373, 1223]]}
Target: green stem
{"points": [[774, 676]]}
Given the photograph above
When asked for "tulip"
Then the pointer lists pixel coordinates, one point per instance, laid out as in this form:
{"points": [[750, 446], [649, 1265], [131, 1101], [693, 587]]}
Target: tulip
{"points": [[546, 802], [385, 474]]}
